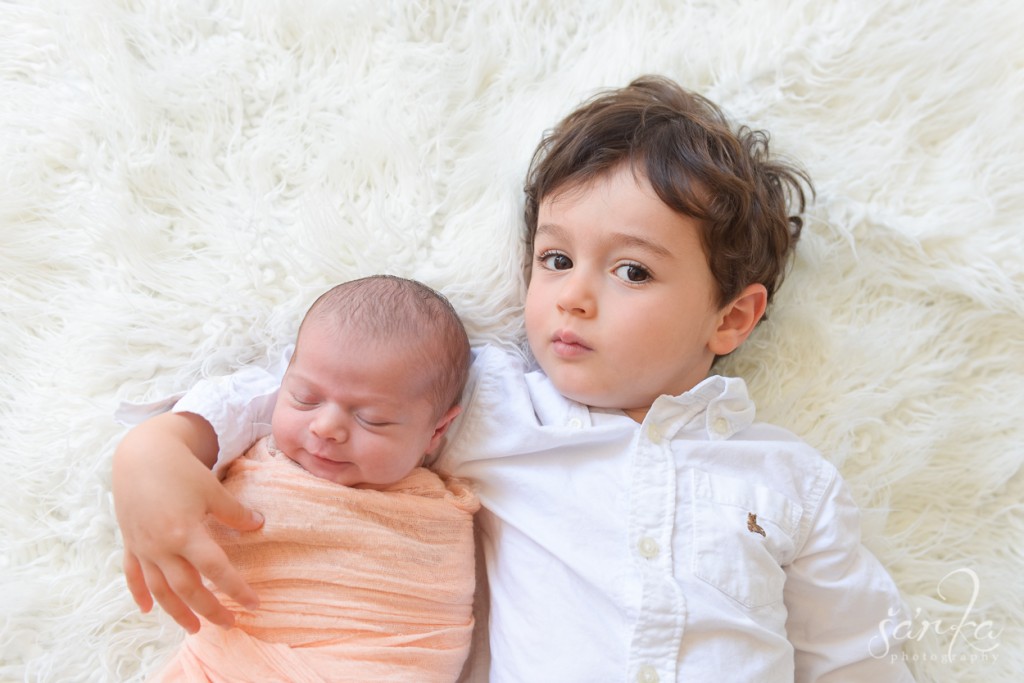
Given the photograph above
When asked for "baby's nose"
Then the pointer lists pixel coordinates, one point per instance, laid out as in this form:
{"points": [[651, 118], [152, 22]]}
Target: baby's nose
{"points": [[330, 424]]}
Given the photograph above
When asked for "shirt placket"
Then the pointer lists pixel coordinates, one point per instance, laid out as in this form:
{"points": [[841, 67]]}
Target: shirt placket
{"points": [[654, 646]]}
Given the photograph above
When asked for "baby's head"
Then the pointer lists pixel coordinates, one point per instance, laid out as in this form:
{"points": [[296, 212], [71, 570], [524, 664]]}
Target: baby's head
{"points": [[687, 222], [375, 381]]}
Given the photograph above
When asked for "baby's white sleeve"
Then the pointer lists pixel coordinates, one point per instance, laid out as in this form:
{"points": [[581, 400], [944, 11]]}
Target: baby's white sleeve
{"points": [[842, 604], [238, 407]]}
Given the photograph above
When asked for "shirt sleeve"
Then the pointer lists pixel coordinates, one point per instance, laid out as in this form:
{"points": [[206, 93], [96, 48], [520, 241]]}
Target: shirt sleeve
{"points": [[494, 390], [238, 407], [842, 604]]}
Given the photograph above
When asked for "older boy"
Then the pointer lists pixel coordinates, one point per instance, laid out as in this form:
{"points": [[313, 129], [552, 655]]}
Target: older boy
{"points": [[637, 523]]}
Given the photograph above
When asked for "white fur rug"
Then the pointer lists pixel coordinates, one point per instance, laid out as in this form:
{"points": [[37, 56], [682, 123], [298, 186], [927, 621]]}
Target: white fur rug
{"points": [[181, 178]]}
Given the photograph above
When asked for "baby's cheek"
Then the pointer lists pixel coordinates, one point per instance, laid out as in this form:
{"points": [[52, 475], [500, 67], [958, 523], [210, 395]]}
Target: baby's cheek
{"points": [[284, 427], [277, 423]]}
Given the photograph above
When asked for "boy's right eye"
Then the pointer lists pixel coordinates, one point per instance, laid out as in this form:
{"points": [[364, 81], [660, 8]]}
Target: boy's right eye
{"points": [[553, 260]]}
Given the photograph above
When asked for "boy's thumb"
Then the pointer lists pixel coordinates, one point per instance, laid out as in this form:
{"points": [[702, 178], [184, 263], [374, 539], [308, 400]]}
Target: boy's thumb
{"points": [[229, 511]]}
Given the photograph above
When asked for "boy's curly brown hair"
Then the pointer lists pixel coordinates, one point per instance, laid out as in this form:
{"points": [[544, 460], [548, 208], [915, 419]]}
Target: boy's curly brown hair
{"points": [[696, 163]]}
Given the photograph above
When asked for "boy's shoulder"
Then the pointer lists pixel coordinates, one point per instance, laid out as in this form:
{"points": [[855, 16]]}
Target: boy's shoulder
{"points": [[770, 432], [730, 443], [774, 457], [781, 442]]}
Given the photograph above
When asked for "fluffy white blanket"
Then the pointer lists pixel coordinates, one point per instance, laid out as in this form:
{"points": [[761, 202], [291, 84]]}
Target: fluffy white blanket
{"points": [[181, 178]]}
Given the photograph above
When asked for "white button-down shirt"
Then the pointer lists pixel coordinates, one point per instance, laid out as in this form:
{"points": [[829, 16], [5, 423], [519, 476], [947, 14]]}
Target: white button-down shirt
{"points": [[695, 546]]}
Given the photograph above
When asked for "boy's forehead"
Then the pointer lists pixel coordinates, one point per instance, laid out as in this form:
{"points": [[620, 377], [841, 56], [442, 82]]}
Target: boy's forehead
{"points": [[600, 190], [571, 188], [565, 192], [622, 189]]}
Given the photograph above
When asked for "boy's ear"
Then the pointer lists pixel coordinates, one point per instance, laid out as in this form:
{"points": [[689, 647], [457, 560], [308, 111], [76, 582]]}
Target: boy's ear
{"points": [[443, 423], [738, 319]]}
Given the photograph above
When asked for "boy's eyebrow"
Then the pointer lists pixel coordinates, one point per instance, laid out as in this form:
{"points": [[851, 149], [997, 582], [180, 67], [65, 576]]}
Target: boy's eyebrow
{"points": [[627, 239], [641, 243], [551, 229]]}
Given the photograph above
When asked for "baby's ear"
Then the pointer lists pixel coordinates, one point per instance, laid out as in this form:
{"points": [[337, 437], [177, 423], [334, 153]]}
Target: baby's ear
{"points": [[443, 423], [738, 319]]}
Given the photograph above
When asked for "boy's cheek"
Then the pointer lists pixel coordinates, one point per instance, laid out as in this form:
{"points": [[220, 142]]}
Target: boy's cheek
{"points": [[534, 306]]}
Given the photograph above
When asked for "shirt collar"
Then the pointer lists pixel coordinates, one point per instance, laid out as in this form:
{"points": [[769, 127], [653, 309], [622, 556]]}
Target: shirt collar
{"points": [[551, 407], [717, 408]]}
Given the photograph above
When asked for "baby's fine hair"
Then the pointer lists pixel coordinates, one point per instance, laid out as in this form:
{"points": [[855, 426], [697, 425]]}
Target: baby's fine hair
{"points": [[386, 310], [696, 163]]}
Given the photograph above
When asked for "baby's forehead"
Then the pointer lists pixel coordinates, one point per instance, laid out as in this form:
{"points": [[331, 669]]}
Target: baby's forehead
{"points": [[329, 346], [341, 341]]}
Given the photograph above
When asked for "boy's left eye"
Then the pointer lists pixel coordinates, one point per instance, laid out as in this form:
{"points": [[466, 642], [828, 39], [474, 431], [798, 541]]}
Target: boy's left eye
{"points": [[633, 272]]}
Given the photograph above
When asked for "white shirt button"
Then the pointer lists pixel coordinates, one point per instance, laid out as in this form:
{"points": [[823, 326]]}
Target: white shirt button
{"points": [[647, 674], [654, 433], [648, 547], [575, 423], [721, 426]]}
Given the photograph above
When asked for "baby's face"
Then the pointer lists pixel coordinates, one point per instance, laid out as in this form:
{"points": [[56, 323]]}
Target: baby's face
{"points": [[621, 306], [354, 413]]}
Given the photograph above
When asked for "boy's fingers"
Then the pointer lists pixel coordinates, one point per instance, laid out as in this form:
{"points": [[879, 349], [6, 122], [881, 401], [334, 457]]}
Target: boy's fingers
{"points": [[168, 599], [209, 559], [137, 582], [229, 511]]}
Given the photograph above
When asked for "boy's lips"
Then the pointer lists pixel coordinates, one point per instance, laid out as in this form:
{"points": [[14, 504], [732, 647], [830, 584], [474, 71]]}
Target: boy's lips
{"points": [[566, 344]]}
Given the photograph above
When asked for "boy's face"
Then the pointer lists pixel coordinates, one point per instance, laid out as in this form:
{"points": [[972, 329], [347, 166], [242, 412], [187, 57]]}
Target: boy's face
{"points": [[621, 305], [355, 413]]}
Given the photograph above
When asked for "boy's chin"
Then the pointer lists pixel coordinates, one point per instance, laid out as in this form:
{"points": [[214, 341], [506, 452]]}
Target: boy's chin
{"points": [[594, 399], [632, 406]]}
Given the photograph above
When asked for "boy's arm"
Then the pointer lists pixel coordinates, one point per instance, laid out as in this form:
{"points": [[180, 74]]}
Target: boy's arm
{"points": [[842, 604], [163, 489]]}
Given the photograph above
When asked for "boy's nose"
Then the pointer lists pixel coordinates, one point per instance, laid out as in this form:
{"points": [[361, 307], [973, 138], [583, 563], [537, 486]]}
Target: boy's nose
{"points": [[330, 425], [577, 295]]}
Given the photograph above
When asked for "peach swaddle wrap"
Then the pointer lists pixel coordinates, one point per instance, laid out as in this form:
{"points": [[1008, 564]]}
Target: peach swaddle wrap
{"points": [[355, 584]]}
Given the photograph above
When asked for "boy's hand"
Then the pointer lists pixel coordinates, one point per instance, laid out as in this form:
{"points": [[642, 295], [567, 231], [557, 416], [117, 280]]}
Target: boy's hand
{"points": [[163, 490]]}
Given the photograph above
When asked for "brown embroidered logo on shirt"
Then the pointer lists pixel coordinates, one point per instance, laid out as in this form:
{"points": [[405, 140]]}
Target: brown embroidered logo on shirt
{"points": [[752, 525]]}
